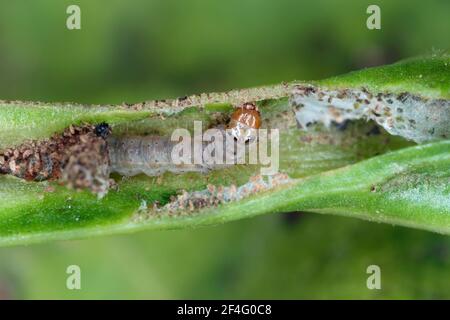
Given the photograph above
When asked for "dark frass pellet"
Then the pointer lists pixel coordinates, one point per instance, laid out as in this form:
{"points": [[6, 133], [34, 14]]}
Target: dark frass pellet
{"points": [[102, 130]]}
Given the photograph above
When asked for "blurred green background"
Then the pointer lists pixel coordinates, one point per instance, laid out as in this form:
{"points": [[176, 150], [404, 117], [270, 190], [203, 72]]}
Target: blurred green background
{"points": [[130, 51]]}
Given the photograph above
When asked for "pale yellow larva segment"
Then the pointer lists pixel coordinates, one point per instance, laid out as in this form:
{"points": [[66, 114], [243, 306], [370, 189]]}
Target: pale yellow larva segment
{"points": [[149, 155]]}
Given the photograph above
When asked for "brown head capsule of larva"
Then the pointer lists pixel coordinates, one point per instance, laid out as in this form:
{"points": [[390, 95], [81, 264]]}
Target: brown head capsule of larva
{"points": [[245, 121]]}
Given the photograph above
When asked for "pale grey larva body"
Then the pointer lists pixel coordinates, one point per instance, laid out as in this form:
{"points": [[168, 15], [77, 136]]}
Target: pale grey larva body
{"points": [[152, 156]]}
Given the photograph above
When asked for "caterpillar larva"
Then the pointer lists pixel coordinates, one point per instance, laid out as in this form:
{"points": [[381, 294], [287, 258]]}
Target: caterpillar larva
{"points": [[150, 155], [84, 156], [153, 155]]}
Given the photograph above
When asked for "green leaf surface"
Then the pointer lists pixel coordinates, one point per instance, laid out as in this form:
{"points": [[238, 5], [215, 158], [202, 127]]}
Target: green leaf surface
{"points": [[353, 171], [427, 76]]}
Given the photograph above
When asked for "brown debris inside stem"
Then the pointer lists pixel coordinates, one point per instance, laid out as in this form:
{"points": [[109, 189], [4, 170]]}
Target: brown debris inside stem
{"points": [[78, 158]]}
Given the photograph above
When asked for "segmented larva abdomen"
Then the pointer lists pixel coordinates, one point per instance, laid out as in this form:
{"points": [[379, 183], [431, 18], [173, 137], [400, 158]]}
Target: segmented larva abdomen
{"points": [[150, 155]]}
